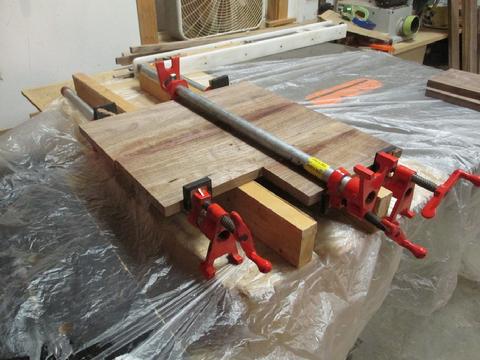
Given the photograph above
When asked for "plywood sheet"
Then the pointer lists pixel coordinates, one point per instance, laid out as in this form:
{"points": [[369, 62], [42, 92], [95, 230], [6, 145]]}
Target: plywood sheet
{"points": [[166, 146]]}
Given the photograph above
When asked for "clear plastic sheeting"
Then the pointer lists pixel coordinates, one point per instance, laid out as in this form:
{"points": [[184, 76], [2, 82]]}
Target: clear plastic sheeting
{"points": [[432, 133], [88, 272]]}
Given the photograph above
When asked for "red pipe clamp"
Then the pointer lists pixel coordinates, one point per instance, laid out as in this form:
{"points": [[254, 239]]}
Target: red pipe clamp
{"points": [[222, 228]]}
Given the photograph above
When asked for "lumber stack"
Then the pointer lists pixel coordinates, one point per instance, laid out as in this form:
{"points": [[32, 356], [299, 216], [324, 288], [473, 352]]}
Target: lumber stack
{"points": [[457, 87]]}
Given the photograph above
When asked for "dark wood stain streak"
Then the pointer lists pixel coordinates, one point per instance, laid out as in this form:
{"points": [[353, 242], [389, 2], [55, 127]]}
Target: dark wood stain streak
{"points": [[337, 139], [266, 111], [200, 133]]}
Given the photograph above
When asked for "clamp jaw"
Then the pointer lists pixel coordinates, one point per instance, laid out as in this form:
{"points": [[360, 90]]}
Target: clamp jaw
{"points": [[170, 77], [222, 228], [359, 193]]}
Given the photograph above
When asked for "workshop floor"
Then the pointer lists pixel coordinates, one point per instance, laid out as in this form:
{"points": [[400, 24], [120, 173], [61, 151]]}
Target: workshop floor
{"points": [[452, 332]]}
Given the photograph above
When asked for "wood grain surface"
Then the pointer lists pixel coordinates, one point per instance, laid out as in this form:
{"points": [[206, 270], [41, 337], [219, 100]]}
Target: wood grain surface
{"points": [[453, 98], [457, 82], [166, 146]]}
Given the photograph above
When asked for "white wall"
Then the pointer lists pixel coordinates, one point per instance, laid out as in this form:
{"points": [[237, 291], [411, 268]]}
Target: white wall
{"points": [[303, 10], [45, 41]]}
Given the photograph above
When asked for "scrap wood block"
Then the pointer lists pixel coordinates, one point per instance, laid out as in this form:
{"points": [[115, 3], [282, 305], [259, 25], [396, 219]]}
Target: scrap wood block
{"points": [[166, 146], [273, 221], [95, 94]]}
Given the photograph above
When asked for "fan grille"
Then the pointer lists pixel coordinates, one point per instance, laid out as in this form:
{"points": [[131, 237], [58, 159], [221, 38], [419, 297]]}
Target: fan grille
{"points": [[210, 17]]}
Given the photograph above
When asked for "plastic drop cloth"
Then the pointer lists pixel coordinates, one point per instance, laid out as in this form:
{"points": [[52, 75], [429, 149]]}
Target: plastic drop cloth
{"points": [[87, 272]]}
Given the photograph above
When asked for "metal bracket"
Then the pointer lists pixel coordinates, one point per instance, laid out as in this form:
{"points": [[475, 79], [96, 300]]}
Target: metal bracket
{"points": [[104, 111], [188, 189]]}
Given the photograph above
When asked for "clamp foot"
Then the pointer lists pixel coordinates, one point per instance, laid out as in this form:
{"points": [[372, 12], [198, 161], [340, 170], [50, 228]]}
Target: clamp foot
{"points": [[235, 259]]}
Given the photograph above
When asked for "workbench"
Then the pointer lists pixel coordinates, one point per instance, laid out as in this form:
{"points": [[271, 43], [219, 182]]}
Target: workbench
{"points": [[414, 50], [319, 310]]}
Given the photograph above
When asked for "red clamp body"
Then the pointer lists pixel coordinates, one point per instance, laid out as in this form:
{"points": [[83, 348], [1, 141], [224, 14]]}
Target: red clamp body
{"points": [[170, 78], [224, 231], [359, 195]]}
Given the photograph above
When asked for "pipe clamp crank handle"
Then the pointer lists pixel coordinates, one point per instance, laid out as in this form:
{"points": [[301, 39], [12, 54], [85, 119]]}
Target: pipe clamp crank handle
{"points": [[430, 209]]}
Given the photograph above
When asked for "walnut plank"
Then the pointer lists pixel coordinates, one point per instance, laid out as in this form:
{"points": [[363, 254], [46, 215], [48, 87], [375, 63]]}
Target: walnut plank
{"points": [[457, 82], [453, 98], [166, 146]]}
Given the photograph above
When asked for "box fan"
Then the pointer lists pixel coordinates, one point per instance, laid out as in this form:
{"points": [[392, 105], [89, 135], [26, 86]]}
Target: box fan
{"points": [[190, 19]]}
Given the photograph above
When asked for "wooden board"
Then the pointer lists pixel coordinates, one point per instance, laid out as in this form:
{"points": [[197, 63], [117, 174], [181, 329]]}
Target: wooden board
{"points": [[43, 96], [95, 94], [162, 148], [453, 98], [423, 38], [280, 22], [457, 82]]}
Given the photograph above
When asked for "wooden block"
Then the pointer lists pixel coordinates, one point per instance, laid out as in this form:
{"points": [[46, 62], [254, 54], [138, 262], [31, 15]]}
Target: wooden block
{"points": [[95, 94], [273, 221], [280, 22], [382, 204], [147, 21], [152, 87], [166, 146], [453, 35], [457, 82], [454, 99]]}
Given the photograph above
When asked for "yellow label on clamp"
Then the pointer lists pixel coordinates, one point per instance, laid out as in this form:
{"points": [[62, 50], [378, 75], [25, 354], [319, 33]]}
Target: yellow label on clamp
{"points": [[316, 167]]}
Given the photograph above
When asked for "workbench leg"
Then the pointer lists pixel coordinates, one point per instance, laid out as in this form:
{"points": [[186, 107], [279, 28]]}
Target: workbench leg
{"points": [[453, 35]]}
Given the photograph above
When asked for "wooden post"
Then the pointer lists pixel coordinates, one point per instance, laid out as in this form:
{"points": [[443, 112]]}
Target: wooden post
{"points": [[469, 48], [478, 40], [277, 13], [453, 35], [147, 21]]}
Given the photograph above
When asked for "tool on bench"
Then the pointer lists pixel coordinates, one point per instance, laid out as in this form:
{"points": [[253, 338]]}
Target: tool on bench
{"points": [[356, 193], [222, 228]]}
